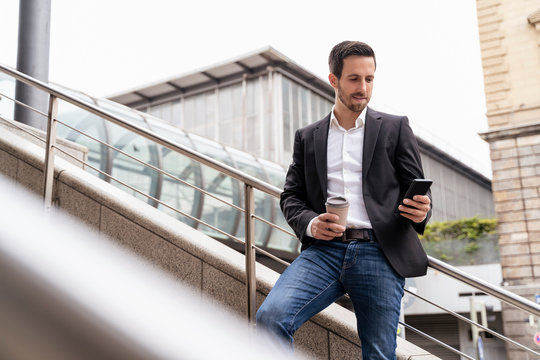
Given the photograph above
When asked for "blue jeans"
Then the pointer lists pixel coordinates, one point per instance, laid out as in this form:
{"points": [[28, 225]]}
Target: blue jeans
{"points": [[323, 273]]}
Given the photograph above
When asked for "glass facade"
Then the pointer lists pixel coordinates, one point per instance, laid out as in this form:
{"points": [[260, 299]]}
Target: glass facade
{"points": [[258, 116]]}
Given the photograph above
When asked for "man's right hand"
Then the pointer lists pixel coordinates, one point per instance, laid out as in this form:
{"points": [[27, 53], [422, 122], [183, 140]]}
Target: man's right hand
{"points": [[325, 227]]}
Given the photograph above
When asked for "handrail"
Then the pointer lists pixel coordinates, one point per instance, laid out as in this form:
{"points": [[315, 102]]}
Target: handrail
{"points": [[488, 288], [250, 183]]}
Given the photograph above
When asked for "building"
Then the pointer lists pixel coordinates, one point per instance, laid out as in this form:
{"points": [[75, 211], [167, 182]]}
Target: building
{"points": [[510, 42]]}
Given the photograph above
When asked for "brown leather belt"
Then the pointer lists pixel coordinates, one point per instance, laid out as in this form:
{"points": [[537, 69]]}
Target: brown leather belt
{"points": [[361, 235]]}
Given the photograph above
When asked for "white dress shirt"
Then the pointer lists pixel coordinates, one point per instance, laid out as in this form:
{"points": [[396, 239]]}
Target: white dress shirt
{"points": [[344, 170]]}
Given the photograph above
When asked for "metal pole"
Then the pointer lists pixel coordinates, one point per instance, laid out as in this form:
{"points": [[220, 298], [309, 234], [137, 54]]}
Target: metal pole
{"points": [[49, 152], [33, 59], [251, 279], [474, 329]]}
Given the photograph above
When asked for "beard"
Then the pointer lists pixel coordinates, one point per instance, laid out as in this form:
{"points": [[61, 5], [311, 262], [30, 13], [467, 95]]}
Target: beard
{"points": [[348, 102]]}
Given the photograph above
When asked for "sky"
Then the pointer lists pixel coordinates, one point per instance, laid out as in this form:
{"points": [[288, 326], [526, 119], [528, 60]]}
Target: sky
{"points": [[428, 52]]}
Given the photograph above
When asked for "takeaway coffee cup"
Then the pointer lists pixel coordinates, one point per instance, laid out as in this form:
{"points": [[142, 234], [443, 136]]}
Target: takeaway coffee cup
{"points": [[340, 206]]}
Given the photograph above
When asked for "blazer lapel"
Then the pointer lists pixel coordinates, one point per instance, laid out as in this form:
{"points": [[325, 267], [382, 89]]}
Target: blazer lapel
{"points": [[371, 132], [320, 142]]}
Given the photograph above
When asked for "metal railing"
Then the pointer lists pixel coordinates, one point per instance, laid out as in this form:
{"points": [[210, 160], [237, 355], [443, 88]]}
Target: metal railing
{"points": [[250, 184]]}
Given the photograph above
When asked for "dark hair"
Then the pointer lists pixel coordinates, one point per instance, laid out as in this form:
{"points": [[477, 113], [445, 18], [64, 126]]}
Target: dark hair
{"points": [[345, 49]]}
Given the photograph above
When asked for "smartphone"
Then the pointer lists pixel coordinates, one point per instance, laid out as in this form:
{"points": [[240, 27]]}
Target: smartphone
{"points": [[417, 187]]}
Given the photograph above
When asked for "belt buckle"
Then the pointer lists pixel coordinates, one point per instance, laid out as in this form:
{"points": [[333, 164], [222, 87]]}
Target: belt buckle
{"points": [[364, 235]]}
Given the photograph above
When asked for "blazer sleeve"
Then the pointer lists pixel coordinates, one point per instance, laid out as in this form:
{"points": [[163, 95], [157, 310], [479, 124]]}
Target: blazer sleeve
{"points": [[294, 198], [409, 166]]}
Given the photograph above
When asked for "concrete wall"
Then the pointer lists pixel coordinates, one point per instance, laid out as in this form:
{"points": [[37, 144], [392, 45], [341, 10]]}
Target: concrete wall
{"points": [[211, 268]]}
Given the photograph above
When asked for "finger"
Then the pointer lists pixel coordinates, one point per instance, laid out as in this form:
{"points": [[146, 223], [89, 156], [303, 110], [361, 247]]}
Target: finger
{"points": [[418, 213], [413, 218], [406, 209], [331, 229], [335, 227], [422, 199], [328, 217], [322, 234], [320, 231], [325, 230], [415, 204]]}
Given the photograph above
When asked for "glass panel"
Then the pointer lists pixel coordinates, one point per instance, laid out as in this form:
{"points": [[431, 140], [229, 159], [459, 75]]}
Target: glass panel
{"points": [[209, 115], [84, 121], [215, 212], [325, 106], [200, 114], [123, 112], [314, 108], [253, 118], [278, 239], [77, 94], [133, 173], [175, 193], [287, 122], [230, 127], [189, 113], [295, 104], [274, 172], [163, 112], [304, 98], [177, 116], [155, 111]]}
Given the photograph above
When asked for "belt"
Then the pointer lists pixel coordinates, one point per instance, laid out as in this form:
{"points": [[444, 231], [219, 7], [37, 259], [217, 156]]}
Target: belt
{"points": [[361, 235]]}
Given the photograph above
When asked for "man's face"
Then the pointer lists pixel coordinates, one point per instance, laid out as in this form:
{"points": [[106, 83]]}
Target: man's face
{"points": [[354, 88]]}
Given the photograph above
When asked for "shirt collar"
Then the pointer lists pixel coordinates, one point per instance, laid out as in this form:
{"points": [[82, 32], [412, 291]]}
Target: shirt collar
{"points": [[359, 122]]}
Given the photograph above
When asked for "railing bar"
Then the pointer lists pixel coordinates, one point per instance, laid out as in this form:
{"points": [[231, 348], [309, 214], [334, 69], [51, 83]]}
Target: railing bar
{"points": [[12, 123], [273, 225], [25, 105], [153, 198], [272, 256], [431, 338], [250, 253], [153, 167], [502, 294], [463, 318]]}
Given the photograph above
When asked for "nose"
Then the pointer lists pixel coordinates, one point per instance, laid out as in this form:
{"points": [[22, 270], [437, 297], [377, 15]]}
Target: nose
{"points": [[362, 87]]}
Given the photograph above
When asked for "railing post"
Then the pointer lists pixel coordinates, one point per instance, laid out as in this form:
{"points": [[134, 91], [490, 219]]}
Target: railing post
{"points": [[48, 181], [251, 279]]}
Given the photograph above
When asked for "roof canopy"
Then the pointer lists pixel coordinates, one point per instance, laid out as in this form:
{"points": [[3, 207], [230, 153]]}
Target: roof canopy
{"points": [[250, 64]]}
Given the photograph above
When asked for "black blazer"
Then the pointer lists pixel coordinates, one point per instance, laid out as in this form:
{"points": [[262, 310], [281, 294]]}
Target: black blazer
{"points": [[390, 162]]}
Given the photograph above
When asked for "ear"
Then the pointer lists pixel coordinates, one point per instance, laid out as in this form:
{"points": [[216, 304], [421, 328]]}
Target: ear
{"points": [[333, 80]]}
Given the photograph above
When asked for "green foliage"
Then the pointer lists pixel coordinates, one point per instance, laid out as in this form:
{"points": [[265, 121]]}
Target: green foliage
{"points": [[462, 242], [471, 247], [470, 228]]}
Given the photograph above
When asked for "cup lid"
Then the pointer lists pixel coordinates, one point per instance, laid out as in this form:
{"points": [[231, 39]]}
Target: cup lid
{"points": [[337, 201]]}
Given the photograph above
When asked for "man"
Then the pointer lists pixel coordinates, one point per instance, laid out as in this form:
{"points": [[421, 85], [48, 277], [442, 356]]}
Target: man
{"points": [[370, 158]]}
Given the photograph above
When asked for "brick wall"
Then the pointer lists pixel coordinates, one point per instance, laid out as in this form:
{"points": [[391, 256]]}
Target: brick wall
{"points": [[510, 45]]}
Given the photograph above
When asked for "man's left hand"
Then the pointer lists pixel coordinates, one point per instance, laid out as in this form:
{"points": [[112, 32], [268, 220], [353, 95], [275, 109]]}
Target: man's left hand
{"points": [[420, 205]]}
